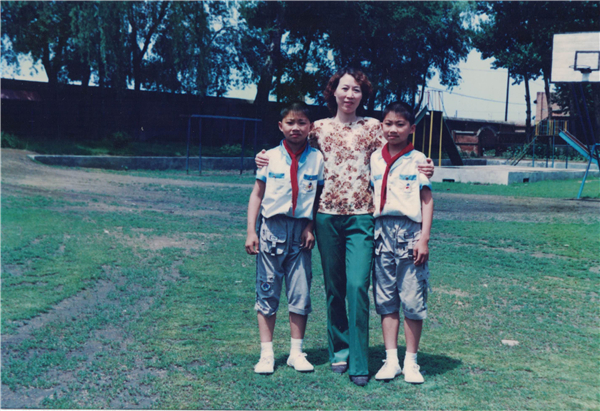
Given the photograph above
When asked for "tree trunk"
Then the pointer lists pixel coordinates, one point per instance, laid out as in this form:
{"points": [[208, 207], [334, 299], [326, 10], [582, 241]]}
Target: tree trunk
{"points": [[277, 85], [371, 104], [272, 62], [596, 108], [305, 53], [422, 96], [528, 102], [50, 105], [548, 96], [574, 123]]}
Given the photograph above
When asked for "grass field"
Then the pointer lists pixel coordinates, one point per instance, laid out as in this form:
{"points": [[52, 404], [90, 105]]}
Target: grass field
{"points": [[112, 302]]}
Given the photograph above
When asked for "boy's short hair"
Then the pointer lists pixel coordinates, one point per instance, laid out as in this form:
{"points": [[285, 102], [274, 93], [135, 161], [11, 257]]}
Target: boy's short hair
{"points": [[400, 107], [298, 107], [363, 81]]}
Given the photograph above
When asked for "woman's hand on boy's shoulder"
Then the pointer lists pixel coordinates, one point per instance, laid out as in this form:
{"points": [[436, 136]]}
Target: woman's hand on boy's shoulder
{"points": [[426, 168], [261, 159]]}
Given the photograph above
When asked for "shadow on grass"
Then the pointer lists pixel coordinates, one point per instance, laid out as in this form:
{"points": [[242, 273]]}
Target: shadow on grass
{"points": [[316, 357], [431, 364]]}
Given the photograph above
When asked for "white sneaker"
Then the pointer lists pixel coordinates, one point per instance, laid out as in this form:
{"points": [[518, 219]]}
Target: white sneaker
{"points": [[412, 374], [389, 371], [265, 365], [300, 363]]}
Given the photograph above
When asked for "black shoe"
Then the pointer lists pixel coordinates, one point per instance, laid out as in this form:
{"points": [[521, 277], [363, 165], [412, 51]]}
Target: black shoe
{"points": [[339, 368], [360, 380]]}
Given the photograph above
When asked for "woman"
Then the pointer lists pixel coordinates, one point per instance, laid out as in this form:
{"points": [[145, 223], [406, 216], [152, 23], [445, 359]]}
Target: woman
{"points": [[344, 222]]}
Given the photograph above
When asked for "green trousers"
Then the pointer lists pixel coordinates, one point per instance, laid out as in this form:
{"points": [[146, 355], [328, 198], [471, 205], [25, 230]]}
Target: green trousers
{"points": [[346, 246]]}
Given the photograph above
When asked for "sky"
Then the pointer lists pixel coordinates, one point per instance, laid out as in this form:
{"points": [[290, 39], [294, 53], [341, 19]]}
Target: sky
{"points": [[481, 94]]}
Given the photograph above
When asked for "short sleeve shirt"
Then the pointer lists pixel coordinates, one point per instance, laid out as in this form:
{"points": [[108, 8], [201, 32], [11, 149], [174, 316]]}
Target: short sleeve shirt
{"points": [[278, 190], [346, 150], [404, 184]]}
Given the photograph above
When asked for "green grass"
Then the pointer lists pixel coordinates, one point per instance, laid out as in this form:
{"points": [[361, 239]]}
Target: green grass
{"points": [[546, 189], [173, 327]]}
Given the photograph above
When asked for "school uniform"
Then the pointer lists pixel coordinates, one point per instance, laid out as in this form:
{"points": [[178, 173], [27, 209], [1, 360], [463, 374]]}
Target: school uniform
{"points": [[397, 282], [280, 257]]}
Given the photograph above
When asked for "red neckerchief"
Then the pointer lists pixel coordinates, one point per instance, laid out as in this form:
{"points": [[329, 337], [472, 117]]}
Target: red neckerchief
{"points": [[389, 161], [294, 172]]}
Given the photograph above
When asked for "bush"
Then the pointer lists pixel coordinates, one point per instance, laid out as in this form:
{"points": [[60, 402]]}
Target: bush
{"points": [[119, 140], [12, 141], [228, 150]]}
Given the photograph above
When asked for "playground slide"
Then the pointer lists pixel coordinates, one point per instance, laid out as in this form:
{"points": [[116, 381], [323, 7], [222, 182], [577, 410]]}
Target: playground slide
{"points": [[577, 145], [420, 115], [447, 143]]}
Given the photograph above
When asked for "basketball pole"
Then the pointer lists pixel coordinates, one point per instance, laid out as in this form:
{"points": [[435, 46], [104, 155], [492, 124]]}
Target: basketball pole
{"points": [[430, 132], [441, 136]]}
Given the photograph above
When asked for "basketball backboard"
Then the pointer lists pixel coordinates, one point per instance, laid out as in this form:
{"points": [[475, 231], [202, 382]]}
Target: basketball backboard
{"points": [[576, 57]]}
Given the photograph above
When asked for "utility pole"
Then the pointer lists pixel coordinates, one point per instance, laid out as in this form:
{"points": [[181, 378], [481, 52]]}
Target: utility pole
{"points": [[507, 88]]}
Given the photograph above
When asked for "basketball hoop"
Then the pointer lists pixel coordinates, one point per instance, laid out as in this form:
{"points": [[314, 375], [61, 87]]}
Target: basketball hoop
{"points": [[576, 58], [582, 69]]}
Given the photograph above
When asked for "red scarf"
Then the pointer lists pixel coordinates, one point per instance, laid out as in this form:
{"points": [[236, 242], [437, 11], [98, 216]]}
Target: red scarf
{"points": [[294, 172], [389, 160]]}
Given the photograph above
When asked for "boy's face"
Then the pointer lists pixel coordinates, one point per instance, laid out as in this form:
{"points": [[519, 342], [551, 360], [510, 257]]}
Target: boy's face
{"points": [[295, 128], [396, 129]]}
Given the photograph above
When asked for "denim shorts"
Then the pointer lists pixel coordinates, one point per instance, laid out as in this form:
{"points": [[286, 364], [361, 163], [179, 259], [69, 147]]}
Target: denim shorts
{"points": [[397, 281], [280, 259]]}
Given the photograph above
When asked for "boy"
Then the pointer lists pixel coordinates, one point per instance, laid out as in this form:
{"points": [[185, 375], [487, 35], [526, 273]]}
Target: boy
{"points": [[403, 215], [285, 193]]}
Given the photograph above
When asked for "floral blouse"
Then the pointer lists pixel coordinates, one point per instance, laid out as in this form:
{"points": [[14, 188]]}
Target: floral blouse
{"points": [[347, 150]]}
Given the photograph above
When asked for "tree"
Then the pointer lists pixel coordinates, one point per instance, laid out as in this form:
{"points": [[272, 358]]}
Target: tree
{"points": [[296, 46], [506, 35], [198, 51], [263, 46], [401, 45], [41, 28], [98, 44], [147, 21]]}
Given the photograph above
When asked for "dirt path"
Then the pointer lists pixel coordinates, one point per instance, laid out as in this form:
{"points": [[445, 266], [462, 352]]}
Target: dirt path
{"points": [[99, 190]]}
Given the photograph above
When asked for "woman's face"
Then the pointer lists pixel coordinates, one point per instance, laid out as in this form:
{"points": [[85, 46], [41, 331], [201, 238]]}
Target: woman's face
{"points": [[348, 94]]}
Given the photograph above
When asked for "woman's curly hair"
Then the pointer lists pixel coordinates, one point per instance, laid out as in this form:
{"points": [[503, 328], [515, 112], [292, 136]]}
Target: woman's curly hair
{"points": [[362, 80]]}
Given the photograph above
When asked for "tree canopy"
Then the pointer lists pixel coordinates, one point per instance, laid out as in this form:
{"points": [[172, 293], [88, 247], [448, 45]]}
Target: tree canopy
{"points": [[286, 48]]}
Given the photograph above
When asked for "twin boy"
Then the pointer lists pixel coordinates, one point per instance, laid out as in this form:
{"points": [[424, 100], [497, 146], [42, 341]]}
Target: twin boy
{"points": [[286, 194]]}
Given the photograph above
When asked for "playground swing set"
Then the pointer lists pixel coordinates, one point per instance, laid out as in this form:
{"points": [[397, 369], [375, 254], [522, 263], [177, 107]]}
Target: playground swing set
{"points": [[244, 120]]}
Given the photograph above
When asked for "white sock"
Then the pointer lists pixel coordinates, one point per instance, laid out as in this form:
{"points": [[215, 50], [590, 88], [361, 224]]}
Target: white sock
{"points": [[391, 355], [296, 346], [410, 358], [266, 349]]}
